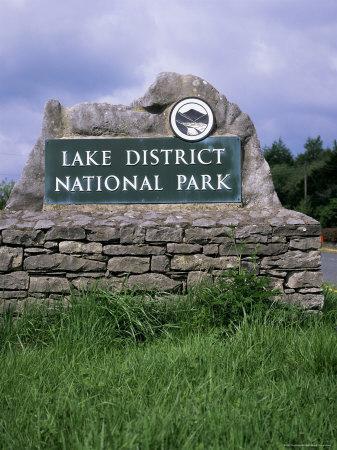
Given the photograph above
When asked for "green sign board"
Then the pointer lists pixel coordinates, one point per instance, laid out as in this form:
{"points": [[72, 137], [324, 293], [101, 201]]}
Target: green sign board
{"points": [[143, 170]]}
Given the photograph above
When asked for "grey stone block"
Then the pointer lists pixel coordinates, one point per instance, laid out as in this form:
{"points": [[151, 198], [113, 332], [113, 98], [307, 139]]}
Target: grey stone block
{"points": [[27, 238], [174, 220], [160, 263], [80, 247], [7, 221], [207, 235], [312, 229], [253, 233], [133, 250], [305, 244], [274, 273], [51, 245], [262, 249], [65, 233], [36, 251], [164, 234], [44, 224], [254, 239], [311, 291], [62, 262], [132, 235], [153, 281], [305, 301], [48, 285], [278, 239], [293, 260], [112, 283], [272, 249], [202, 262], [229, 248], [5, 295], [204, 222], [15, 281], [10, 258], [96, 257], [129, 264], [97, 118], [103, 234], [305, 279], [183, 248], [211, 249], [85, 274]]}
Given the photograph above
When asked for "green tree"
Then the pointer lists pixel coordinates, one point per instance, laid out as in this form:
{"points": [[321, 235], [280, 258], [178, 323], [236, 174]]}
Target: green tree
{"points": [[309, 183], [328, 214], [313, 151], [278, 153], [5, 191]]}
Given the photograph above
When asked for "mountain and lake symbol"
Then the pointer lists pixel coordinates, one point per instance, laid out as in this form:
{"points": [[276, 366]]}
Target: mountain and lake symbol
{"points": [[191, 122]]}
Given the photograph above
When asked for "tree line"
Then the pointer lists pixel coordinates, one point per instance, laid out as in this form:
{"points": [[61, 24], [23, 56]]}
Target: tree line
{"points": [[306, 182]]}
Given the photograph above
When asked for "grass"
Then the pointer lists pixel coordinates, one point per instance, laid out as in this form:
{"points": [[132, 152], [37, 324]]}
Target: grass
{"points": [[221, 368]]}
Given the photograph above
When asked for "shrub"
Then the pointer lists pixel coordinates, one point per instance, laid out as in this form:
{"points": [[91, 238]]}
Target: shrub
{"points": [[328, 214], [238, 293], [329, 234]]}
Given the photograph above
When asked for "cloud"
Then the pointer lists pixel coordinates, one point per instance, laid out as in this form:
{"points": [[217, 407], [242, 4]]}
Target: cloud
{"points": [[20, 126], [277, 60], [265, 60]]}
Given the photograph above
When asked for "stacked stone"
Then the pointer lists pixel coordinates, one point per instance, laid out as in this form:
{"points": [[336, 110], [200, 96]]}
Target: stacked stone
{"points": [[46, 261]]}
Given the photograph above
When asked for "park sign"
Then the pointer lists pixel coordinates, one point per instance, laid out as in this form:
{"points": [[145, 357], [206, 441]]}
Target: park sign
{"points": [[143, 170], [192, 167]]}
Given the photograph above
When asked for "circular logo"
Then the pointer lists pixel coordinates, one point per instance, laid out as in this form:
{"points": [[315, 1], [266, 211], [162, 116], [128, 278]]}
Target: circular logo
{"points": [[192, 119]]}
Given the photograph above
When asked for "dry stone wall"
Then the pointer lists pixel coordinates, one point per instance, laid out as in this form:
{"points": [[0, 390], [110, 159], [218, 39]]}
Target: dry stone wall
{"points": [[44, 256]]}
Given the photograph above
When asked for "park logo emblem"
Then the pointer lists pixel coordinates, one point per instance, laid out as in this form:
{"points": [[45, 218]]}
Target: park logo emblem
{"points": [[192, 119]]}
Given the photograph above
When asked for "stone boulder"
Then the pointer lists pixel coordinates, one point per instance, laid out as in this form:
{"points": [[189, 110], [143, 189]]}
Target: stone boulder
{"points": [[147, 116]]}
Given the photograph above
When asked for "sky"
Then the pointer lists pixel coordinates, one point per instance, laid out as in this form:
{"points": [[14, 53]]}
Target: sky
{"points": [[277, 59]]}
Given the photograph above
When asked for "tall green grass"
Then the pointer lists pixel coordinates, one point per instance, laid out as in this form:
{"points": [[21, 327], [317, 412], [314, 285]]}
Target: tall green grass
{"points": [[221, 368]]}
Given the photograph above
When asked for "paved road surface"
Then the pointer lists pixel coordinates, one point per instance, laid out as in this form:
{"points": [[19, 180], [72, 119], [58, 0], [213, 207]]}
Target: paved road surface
{"points": [[329, 267]]}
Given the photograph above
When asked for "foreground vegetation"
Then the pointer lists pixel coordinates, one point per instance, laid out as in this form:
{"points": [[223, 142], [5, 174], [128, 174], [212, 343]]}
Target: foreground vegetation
{"points": [[219, 368]]}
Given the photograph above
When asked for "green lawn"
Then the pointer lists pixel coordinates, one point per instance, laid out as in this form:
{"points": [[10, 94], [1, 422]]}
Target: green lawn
{"points": [[124, 372]]}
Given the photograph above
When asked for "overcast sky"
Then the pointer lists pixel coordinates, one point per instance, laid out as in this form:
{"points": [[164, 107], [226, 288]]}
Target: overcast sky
{"points": [[276, 58]]}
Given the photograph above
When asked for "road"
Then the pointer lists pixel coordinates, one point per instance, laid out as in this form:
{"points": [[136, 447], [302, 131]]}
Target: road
{"points": [[329, 267]]}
